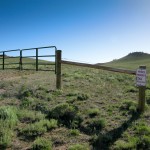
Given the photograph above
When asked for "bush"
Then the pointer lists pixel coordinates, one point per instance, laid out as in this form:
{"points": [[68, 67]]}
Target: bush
{"points": [[39, 128], [93, 112], [94, 126], [65, 113], [79, 147], [42, 144]]}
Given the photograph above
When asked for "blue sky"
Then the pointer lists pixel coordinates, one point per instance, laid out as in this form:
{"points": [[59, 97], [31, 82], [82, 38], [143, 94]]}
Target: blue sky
{"points": [[90, 31]]}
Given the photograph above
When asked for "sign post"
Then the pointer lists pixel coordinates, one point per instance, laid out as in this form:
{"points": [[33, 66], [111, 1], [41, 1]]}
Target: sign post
{"points": [[141, 83]]}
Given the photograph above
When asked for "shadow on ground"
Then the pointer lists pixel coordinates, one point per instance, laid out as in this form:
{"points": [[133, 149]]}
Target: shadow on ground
{"points": [[104, 141]]}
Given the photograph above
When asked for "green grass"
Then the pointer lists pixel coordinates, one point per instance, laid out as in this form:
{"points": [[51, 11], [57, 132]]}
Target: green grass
{"points": [[94, 108], [131, 61]]}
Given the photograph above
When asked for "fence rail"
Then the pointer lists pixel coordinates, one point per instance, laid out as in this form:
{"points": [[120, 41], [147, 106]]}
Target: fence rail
{"points": [[4, 56], [99, 67]]}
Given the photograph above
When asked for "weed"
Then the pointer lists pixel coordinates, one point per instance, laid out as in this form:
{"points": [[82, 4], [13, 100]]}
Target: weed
{"points": [[42, 144]]}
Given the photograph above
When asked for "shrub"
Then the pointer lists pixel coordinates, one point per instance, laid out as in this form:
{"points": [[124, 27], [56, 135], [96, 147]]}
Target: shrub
{"points": [[94, 126], [93, 112], [25, 115], [39, 128], [42, 144], [79, 147], [65, 113], [82, 97], [74, 132]]}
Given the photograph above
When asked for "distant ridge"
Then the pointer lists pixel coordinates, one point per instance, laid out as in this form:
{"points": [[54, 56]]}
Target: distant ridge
{"points": [[131, 61], [135, 55]]}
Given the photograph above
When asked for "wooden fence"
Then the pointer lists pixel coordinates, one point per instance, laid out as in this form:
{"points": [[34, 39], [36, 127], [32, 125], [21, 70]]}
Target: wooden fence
{"points": [[141, 102], [58, 62]]}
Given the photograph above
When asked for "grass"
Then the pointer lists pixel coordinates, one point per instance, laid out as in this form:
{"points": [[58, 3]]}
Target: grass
{"points": [[95, 108]]}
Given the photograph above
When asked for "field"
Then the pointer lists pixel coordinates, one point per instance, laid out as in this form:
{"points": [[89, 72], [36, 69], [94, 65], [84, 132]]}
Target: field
{"points": [[94, 110]]}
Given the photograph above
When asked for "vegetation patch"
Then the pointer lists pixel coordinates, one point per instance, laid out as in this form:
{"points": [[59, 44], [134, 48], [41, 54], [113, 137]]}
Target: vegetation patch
{"points": [[38, 128], [42, 144], [66, 114], [93, 112]]}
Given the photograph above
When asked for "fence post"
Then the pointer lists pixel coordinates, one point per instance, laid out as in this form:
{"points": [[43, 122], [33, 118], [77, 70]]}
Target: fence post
{"points": [[36, 59], [141, 103], [3, 60], [58, 69], [20, 60]]}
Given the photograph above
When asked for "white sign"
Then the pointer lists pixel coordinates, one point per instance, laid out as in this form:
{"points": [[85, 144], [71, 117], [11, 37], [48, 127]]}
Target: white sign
{"points": [[141, 77]]}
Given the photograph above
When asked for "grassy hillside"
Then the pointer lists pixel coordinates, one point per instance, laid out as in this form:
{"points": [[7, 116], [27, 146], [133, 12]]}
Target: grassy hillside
{"points": [[132, 61], [94, 110]]}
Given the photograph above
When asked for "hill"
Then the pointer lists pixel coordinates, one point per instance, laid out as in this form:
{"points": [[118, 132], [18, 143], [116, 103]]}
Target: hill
{"points": [[134, 56], [131, 61]]}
